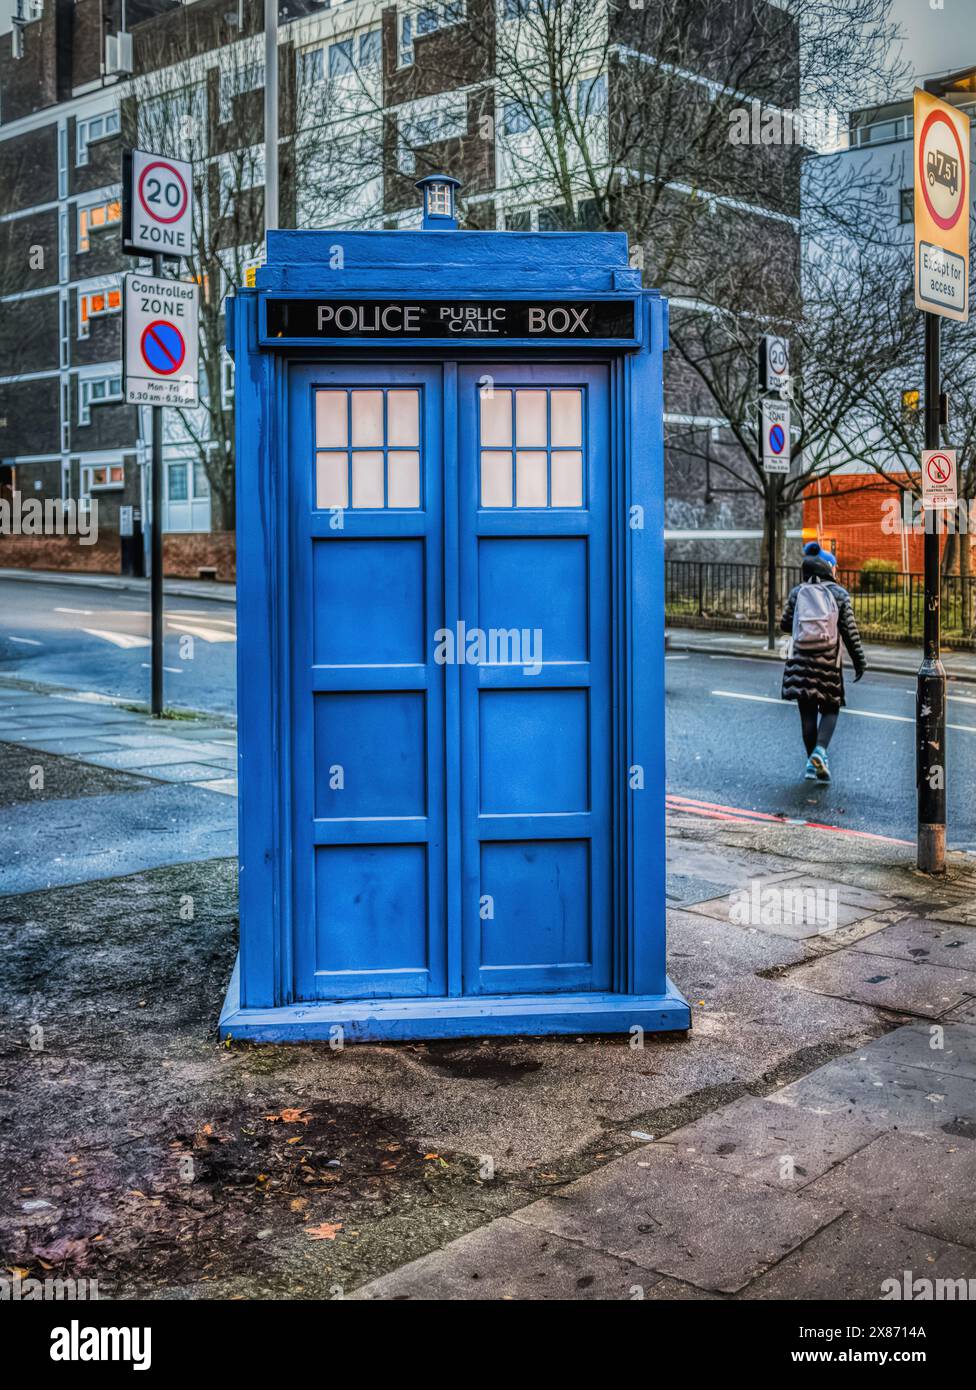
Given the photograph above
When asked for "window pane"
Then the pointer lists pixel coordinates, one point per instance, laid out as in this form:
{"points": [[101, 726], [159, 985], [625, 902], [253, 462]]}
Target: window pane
{"points": [[567, 479], [201, 484], [530, 417], [117, 474], [340, 58], [567, 418], [367, 418], [176, 487], [403, 418], [496, 478], [530, 475], [331, 480], [331, 429], [403, 482], [496, 421], [367, 479]]}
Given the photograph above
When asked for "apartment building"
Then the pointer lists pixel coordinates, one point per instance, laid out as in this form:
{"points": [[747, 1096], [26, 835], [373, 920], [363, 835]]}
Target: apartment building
{"points": [[373, 95]]}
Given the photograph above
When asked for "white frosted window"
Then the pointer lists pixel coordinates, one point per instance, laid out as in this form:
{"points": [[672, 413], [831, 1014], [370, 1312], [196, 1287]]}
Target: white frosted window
{"points": [[496, 478], [332, 480], [496, 420], [403, 478], [567, 478], [530, 478], [530, 418], [367, 419], [567, 419], [331, 419], [403, 419], [381, 450], [367, 478]]}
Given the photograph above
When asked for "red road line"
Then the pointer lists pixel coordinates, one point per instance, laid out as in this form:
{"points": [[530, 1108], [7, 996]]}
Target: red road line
{"points": [[713, 811]]}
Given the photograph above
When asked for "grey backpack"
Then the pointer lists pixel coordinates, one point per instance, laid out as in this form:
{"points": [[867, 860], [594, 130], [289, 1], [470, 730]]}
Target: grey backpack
{"points": [[815, 618]]}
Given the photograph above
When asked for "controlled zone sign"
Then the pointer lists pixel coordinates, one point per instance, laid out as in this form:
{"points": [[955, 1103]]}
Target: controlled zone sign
{"points": [[161, 347], [158, 204], [938, 478], [942, 197], [775, 436]]}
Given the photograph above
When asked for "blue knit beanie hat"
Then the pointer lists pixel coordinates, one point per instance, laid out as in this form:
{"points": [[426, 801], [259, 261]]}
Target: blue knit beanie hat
{"points": [[814, 550]]}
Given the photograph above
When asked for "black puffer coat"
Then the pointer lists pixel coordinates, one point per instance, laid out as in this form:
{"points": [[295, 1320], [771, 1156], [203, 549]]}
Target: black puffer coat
{"points": [[818, 675]]}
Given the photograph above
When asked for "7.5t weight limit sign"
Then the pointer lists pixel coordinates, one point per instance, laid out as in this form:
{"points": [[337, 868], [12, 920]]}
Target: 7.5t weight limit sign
{"points": [[158, 204]]}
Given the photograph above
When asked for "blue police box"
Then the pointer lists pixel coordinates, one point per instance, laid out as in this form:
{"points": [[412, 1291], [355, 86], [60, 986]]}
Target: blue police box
{"points": [[450, 584]]}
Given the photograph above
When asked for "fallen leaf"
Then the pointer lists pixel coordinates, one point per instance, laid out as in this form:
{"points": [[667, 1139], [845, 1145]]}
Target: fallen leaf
{"points": [[327, 1230]]}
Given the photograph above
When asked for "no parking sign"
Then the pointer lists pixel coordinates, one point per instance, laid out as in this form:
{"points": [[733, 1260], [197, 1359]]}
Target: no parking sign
{"points": [[160, 341]]}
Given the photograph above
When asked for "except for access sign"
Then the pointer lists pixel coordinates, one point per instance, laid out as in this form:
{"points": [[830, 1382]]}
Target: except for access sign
{"points": [[939, 478], [776, 436], [942, 197], [159, 205], [160, 341]]}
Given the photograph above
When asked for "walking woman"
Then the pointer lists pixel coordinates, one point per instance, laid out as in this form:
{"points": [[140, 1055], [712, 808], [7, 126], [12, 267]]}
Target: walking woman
{"points": [[819, 616]]}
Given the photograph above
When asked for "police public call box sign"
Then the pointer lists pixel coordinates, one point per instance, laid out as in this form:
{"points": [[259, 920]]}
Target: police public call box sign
{"points": [[442, 320], [160, 341], [157, 198]]}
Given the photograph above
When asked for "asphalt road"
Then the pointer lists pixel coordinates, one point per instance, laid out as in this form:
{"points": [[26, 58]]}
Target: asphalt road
{"points": [[732, 741], [98, 640]]}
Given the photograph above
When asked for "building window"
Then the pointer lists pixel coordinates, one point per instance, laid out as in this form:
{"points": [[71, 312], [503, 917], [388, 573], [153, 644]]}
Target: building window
{"points": [[370, 49], [177, 486], [227, 381], [96, 304], [312, 65], [97, 390], [234, 83], [427, 20], [906, 205], [96, 476], [427, 123], [95, 218], [518, 220], [531, 448], [94, 128], [341, 61], [367, 444]]}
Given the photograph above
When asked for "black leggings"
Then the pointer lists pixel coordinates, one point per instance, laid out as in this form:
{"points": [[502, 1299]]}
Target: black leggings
{"points": [[812, 736]]}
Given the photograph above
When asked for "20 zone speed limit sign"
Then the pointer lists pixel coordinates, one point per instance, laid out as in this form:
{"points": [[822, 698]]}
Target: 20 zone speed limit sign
{"points": [[159, 204]]}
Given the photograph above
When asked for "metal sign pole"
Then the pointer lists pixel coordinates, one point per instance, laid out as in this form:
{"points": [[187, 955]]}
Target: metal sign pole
{"points": [[156, 572], [930, 697], [771, 493], [270, 114]]}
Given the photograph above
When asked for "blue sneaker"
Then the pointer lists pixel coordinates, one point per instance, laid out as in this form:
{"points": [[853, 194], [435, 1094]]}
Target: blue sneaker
{"points": [[818, 758], [810, 774]]}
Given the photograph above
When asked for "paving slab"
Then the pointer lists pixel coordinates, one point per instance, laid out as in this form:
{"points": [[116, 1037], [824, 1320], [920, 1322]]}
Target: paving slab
{"points": [[948, 1048], [714, 1230], [72, 745], [926, 940], [851, 1260], [881, 1092], [510, 1260], [96, 837], [774, 1144], [922, 1182], [179, 772], [903, 986], [227, 786], [964, 1013], [146, 757]]}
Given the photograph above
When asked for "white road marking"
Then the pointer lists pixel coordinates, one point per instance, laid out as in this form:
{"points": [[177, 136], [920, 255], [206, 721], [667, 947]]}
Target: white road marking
{"points": [[864, 713], [173, 670], [118, 639], [206, 634], [85, 612], [27, 641]]}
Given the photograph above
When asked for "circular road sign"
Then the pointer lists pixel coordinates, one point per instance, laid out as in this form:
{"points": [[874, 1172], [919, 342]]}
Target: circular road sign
{"points": [[942, 170], [778, 358], [939, 468], [777, 438], [162, 347], [163, 192]]}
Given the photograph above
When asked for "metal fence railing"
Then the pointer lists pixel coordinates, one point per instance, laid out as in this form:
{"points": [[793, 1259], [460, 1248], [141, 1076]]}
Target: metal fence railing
{"points": [[885, 603]]}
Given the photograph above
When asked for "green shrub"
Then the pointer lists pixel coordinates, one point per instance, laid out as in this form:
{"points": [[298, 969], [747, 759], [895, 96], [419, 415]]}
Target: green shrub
{"points": [[874, 576]]}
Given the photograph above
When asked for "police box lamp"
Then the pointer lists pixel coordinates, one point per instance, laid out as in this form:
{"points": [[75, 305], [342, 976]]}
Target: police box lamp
{"points": [[440, 202]]}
